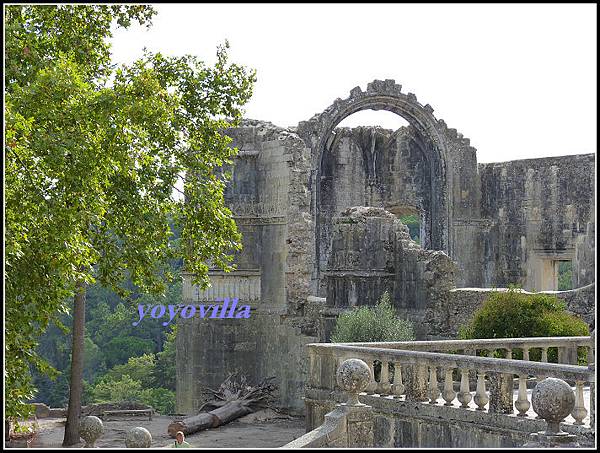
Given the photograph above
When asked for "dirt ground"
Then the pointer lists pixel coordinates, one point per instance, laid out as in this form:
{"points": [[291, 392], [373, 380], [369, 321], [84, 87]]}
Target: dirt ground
{"points": [[261, 429]]}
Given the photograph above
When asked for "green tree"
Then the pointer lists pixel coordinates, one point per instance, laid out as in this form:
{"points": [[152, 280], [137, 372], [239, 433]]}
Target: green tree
{"points": [[120, 349], [91, 168], [124, 389], [164, 371], [138, 368], [368, 324], [162, 400], [94, 362]]}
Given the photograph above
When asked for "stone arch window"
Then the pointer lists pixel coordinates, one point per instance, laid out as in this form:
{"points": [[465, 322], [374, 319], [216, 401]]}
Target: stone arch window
{"points": [[384, 95]]}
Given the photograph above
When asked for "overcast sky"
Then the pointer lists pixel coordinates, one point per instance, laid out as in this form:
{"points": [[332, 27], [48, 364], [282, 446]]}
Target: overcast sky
{"points": [[518, 80]]}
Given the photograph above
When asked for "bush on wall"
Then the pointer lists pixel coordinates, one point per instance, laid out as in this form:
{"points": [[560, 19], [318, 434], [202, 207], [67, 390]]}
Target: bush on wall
{"points": [[513, 314]]}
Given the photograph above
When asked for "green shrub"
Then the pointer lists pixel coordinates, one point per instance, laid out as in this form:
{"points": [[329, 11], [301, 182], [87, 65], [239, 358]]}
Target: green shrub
{"points": [[115, 391], [513, 314], [162, 400], [137, 368], [368, 324], [118, 350]]}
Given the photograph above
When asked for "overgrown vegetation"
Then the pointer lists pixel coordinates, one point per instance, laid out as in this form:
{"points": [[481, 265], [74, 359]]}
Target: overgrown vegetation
{"points": [[413, 222], [143, 370], [513, 314], [367, 324], [565, 275]]}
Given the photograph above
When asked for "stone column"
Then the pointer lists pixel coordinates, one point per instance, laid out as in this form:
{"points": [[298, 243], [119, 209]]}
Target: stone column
{"points": [[353, 376], [501, 393], [416, 382], [360, 427]]}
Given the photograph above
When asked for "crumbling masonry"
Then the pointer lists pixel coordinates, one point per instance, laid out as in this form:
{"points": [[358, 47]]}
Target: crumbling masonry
{"points": [[318, 207]]}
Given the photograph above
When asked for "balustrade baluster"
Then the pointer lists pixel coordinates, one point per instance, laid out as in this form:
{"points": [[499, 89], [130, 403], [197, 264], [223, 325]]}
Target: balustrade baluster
{"points": [[541, 377], [525, 353], [418, 383], [509, 353], [448, 394], [373, 384], [398, 386], [383, 388], [522, 404], [434, 391], [481, 398], [579, 411], [491, 352], [312, 369], [464, 396], [336, 364]]}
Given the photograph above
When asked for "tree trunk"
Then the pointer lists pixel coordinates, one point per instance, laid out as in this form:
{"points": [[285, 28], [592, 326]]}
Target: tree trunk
{"points": [[217, 417], [77, 356]]}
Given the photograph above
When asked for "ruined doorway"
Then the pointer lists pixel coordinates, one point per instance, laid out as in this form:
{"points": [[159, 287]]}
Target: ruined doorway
{"points": [[383, 168], [553, 273], [425, 135]]}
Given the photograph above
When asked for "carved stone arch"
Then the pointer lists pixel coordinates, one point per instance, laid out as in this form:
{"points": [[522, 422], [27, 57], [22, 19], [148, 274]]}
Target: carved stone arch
{"points": [[385, 95]]}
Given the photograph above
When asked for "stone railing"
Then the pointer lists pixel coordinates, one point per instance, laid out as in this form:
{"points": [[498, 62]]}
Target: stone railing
{"points": [[350, 424], [450, 373]]}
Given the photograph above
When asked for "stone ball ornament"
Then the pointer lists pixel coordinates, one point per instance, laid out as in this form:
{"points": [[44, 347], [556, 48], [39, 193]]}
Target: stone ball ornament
{"points": [[553, 400], [90, 430], [353, 376], [138, 437]]}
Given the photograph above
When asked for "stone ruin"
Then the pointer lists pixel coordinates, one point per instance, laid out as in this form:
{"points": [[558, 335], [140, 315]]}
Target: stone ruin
{"points": [[319, 208]]}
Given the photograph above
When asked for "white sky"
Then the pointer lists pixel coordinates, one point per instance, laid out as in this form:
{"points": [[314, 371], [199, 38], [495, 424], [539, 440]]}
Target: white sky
{"points": [[518, 80]]}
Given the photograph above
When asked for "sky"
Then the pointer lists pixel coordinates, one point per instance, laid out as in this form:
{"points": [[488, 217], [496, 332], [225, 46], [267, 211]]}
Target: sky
{"points": [[518, 80]]}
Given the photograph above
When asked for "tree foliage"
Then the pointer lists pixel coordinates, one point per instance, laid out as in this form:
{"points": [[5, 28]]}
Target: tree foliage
{"points": [[165, 371], [368, 324], [93, 155]]}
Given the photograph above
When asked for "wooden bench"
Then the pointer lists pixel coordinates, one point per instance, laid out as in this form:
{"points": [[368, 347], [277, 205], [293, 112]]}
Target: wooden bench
{"points": [[147, 412]]}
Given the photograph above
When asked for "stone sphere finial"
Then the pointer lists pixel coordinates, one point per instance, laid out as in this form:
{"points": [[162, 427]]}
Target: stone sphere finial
{"points": [[138, 437], [90, 429], [353, 376], [553, 400]]}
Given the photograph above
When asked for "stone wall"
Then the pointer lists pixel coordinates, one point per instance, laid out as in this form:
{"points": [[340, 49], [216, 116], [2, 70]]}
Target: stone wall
{"points": [[270, 201], [375, 167], [540, 210], [372, 252]]}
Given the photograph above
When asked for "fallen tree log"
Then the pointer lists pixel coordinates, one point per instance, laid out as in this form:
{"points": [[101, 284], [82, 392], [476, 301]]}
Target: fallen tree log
{"points": [[212, 419], [234, 399]]}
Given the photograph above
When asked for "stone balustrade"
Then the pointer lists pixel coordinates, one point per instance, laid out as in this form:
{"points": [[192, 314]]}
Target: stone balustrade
{"points": [[566, 346], [450, 373]]}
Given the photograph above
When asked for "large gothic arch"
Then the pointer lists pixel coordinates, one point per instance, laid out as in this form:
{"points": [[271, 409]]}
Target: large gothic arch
{"points": [[385, 95]]}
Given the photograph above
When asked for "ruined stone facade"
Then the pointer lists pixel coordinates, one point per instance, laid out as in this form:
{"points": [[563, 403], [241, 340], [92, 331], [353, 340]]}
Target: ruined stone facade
{"points": [[307, 254]]}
